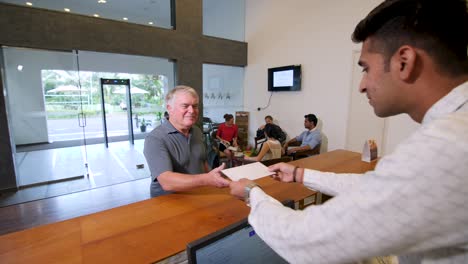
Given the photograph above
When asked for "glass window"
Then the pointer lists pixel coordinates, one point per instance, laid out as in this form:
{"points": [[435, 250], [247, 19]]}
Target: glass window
{"points": [[61, 110], [223, 91], [155, 13], [224, 19]]}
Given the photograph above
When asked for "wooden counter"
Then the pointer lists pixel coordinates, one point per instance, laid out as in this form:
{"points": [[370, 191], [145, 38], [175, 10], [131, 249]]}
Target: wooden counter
{"points": [[154, 229]]}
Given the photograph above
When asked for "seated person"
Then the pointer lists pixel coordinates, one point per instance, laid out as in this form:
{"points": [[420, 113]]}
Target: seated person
{"points": [[175, 151], [227, 135], [271, 149], [281, 136], [309, 138]]}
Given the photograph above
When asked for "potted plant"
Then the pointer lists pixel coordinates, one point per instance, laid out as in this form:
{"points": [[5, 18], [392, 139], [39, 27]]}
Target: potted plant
{"points": [[143, 125]]}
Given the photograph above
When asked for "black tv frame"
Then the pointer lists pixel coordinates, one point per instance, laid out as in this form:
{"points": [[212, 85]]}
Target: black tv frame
{"points": [[297, 76]]}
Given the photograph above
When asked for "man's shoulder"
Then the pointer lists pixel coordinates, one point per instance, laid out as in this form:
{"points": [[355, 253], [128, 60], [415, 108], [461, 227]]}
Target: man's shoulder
{"points": [[453, 126], [160, 132], [316, 132]]}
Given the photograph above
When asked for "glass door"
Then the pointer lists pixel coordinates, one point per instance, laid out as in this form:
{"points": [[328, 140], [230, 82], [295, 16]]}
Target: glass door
{"points": [[57, 108], [116, 102], [44, 99]]}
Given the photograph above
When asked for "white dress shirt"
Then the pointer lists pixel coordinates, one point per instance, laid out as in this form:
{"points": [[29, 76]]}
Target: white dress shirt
{"points": [[414, 203]]}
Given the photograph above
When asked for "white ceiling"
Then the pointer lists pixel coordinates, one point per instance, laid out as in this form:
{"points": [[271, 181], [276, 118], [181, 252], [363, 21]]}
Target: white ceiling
{"points": [[137, 11]]}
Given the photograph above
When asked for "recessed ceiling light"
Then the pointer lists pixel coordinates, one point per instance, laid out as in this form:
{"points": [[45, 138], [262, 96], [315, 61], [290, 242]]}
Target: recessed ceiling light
{"points": [[151, 23], [29, 3], [67, 9], [20, 67], [96, 15], [102, 1], [125, 18]]}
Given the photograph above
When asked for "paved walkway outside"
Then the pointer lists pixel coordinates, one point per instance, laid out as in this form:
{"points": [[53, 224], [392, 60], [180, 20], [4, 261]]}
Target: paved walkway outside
{"points": [[117, 125]]}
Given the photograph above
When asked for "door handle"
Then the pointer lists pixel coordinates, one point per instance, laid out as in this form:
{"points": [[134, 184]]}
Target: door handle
{"points": [[81, 120]]}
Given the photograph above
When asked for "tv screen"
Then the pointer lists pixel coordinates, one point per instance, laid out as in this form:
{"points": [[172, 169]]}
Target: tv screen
{"points": [[286, 78]]}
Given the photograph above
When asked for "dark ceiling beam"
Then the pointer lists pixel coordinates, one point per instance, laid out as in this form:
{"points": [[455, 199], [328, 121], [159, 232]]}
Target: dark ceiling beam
{"points": [[48, 29]]}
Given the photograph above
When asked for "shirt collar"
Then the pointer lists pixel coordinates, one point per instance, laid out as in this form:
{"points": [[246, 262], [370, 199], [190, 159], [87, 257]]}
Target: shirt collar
{"points": [[448, 104], [170, 129]]}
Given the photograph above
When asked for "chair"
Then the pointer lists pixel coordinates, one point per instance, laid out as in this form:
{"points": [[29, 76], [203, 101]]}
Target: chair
{"points": [[259, 143], [304, 154], [215, 147]]}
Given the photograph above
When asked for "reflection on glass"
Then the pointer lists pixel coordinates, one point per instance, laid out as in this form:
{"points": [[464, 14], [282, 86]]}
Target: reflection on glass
{"points": [[223, 91], [29, 90], [56, 115], [155, 13], [224, 19]]}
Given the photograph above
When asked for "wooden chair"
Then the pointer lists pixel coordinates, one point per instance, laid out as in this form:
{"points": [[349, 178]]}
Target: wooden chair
{"points": [[304, 154]]}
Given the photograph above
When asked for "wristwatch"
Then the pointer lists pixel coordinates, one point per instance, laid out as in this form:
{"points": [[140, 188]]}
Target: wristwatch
{"points": [[247, 190]]}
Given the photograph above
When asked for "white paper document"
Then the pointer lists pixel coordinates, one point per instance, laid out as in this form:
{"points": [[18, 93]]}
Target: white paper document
{"points": [[250, 171]]}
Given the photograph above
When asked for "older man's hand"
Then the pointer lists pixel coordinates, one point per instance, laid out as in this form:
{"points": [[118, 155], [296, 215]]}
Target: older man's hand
{"points": [[216, 179]]}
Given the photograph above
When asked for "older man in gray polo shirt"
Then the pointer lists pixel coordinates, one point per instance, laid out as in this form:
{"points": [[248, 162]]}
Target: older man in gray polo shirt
{"points": [[175, 151]]}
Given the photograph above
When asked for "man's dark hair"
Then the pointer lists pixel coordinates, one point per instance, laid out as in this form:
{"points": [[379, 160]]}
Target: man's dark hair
{"points": [[269, 117], [312, 118], [438, 27]]}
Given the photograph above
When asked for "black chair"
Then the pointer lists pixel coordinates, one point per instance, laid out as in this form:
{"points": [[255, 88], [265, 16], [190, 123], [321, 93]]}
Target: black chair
{"points": [[306, 153]]}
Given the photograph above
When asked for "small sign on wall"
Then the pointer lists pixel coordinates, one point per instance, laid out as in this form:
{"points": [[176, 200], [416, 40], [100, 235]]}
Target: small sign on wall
{"points": [[369, 152]]}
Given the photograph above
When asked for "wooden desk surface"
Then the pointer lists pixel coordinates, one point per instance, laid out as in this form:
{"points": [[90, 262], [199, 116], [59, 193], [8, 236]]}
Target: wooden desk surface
{"points": [[338, 161], [154, 229]]}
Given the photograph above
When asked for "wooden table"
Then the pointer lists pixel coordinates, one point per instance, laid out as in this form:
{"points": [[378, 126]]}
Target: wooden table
{"points": [[338, 161], [154, 229]]}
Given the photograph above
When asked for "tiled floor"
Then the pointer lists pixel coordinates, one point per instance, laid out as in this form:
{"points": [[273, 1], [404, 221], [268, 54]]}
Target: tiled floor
{"points": [[106, 166], [50, 165]]}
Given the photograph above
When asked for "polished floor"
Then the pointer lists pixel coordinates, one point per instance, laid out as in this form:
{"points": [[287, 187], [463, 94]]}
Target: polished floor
{"points": [[54, 172]]}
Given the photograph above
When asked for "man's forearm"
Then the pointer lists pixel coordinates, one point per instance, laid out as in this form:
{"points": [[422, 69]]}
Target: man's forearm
{"points": [[173, 181], [303, 148]]}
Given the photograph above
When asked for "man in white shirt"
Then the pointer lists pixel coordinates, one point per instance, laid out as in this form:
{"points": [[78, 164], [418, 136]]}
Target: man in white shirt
{"points": [[415, 203]]}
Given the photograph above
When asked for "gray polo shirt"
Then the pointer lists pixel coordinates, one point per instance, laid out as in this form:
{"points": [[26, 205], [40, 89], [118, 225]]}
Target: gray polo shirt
{"points": [[166, 149]]}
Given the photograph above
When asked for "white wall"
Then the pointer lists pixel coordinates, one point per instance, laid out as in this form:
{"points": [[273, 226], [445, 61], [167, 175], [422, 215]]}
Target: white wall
{"points": [[315, 34]]}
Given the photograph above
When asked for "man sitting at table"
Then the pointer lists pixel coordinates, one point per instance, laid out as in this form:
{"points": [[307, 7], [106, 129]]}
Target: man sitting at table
{"points": [[309, 138], [175, 151]]}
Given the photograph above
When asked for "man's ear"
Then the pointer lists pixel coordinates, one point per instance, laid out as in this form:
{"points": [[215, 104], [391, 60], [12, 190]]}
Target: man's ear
{"points": [[405, 62]]}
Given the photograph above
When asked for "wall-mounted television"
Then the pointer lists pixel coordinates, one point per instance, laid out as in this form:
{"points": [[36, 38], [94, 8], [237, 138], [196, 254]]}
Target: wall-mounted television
{"points": [[286, 78]]}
